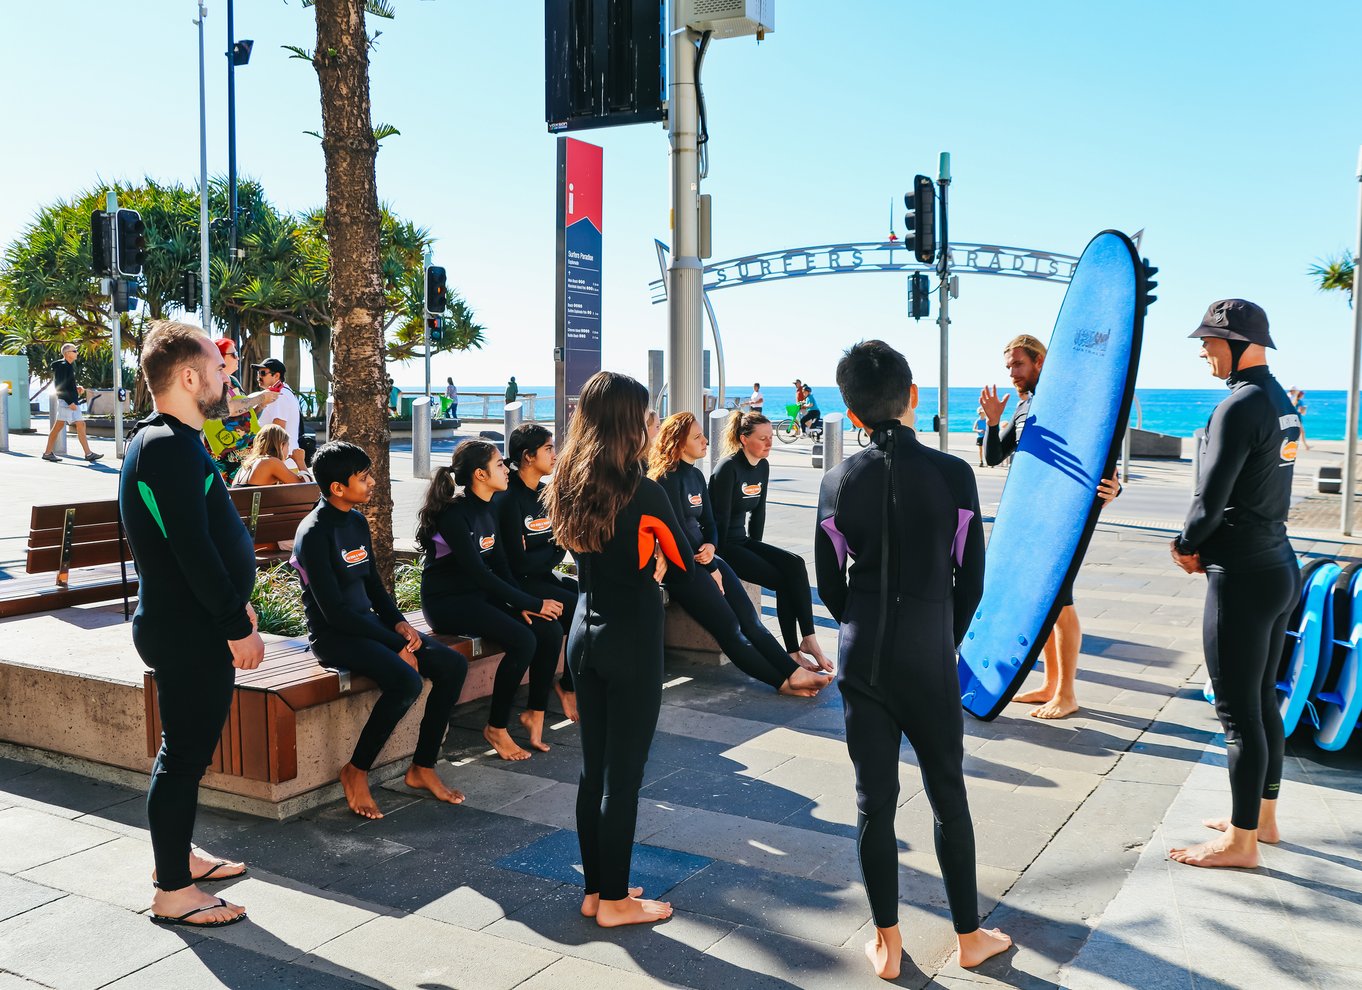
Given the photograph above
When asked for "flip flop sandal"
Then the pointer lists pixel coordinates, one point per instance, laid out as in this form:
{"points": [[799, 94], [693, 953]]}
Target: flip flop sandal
{"points": [[209, 878], [164, 919]]}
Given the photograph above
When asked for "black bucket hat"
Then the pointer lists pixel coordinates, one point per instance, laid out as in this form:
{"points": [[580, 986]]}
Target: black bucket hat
{"points": [[1235, 319]]}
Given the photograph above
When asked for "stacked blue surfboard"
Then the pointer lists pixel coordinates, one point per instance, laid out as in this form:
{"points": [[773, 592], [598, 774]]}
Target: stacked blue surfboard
{"points": [[1319, 675]]}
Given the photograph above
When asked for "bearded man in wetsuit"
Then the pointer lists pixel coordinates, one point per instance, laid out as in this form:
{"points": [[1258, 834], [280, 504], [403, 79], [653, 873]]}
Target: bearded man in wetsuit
{"points": [[1235, 534], [1024, 356]]}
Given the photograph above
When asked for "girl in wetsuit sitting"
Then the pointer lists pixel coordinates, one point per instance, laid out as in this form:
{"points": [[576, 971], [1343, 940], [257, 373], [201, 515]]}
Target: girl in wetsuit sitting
{"points": [[622, 532], [531, 550], [467, 589], [738, 488], [720, 604]]}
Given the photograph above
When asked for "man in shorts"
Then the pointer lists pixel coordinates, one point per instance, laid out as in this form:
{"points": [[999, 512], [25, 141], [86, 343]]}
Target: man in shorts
{"points": [[68, 395]]}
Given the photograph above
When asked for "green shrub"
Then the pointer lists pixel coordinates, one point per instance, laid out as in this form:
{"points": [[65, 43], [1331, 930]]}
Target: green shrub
{"points": [[278, 601], [407, 584]]}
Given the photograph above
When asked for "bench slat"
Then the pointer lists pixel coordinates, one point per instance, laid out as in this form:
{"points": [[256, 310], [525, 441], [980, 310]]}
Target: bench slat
{"points": [[54, 516]]}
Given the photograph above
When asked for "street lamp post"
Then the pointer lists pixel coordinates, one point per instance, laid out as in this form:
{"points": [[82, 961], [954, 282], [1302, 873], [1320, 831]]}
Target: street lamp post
{"points": [[203, 174], [238, 53], [1350, 448]]}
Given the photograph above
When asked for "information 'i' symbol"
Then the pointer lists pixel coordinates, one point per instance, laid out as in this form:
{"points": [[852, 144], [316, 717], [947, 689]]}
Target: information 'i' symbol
{"points": [[570, 198]]}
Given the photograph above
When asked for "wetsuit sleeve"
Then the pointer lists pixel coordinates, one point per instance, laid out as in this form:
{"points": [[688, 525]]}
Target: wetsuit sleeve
{"points": [[721, 485], [672, 484], [509, 535], [469, 561], [830, 549], [969, 558], [180, 505], [1000, 442], [315, 550], [708, 529], [1229, 437], [658, 527]]}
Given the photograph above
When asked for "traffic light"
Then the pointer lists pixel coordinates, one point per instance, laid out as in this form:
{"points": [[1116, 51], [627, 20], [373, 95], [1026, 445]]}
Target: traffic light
{"points": [[919, 296], [435, 329], [124, 295], [436, 289], [101, 242], [919, 223], [189, 290], [132, 244], [1149, 284]]}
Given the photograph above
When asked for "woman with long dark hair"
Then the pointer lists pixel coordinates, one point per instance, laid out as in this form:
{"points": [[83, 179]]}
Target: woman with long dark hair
{"points": [[738, 488], [617, 524], [721, 604], [531, 550], [467, 589]]}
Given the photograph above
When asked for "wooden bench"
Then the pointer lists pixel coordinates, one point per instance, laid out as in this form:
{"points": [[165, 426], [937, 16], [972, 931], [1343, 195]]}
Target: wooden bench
{"points": [[87, 536], [259, 741]]}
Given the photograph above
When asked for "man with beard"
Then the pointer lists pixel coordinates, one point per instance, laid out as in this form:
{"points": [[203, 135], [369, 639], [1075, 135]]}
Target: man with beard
{"points": [[194, 621], [1024, 356]]}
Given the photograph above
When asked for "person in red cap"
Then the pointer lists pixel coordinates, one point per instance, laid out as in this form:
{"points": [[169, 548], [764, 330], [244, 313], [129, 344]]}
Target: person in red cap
{"points": [[229, 439], [1235, 534]]}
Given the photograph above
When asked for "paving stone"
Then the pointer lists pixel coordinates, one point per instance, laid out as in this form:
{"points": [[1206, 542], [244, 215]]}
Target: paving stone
{"points": [[457, 831], [1336, 977], [778, 848], [687, 752], [213, 965], [64, 794], [289, 919], [579, 974], [18, 896], [750, 957], [381, 954], [20, 826], [14, 768], [725, 792], [214, 829], [313, 853], [705, 725], [1232, 950], [8, 981], [1113, 965], [556, 806], [112, 943], [116, 872], [557, 857]]}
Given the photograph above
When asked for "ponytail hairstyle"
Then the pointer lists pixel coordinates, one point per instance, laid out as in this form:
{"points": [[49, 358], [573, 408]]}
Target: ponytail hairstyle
{"points": [[668, 444], [598, 470], [740, 424], [447, 484], [525, 439]]}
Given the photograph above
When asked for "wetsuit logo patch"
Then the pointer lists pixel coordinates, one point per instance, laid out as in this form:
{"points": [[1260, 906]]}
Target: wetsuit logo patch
{"points": [[487, 542], [752, 489], [1289, 449], [698, 499], [357, 556], [540, 525]]}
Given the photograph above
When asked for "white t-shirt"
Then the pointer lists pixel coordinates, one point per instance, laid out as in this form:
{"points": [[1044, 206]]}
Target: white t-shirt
{"points": [[286, 408], [756, 402]]}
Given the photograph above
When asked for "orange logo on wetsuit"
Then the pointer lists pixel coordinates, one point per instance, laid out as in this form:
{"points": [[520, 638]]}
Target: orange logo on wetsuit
{"points": [[1289, 448], [487, 542], [540, 525], [698, 499], [752, 489], [355, 556]]}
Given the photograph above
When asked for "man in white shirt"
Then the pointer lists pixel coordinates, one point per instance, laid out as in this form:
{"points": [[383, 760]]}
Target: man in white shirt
{"points": [[285, 410], [757, 400]]}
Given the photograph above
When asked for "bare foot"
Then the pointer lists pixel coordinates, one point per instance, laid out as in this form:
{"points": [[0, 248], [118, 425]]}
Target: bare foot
{"points": [[203, 867], [1235, 849], [426, 779], [591, 903], [534, 725], [886, 953], [566, 698], [1035, 697], [809, 645], [355, 783], [981, 944], [803, 684], [1058, 708], [501, 741], [173, 903], [1267, 831], [631, 911]]}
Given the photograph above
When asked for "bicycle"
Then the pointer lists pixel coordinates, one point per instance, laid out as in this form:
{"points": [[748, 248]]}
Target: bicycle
{"points": [[788, 430]]}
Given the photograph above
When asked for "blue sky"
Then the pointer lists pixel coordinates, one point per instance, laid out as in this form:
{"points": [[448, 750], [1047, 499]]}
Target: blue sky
{"points": [[1225, 129]]}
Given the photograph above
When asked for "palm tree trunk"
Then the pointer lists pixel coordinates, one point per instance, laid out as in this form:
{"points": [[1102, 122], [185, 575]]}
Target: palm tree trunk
{"points": [[293, 362], [321, 366], [341, 59]]}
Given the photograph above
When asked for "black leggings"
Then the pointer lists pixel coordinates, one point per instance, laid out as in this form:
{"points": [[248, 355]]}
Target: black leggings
{"points": [[730, 618], [194, 684], [919, 699], [618, 718], [564, 591], [1242, 631], [534, 647], [785, 574], [399, 686]]}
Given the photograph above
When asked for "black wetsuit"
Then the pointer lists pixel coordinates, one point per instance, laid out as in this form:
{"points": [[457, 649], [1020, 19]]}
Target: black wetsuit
{"points": [[351, 622], [196, 567], [916, 574], [532, 553], [467, 590], [727, 615], [615, 650], [738, 489], [1237, 523]]}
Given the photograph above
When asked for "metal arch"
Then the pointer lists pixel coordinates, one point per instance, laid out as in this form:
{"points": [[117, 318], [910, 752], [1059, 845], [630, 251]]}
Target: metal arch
{"points": [[875, 256], [720, 398]]}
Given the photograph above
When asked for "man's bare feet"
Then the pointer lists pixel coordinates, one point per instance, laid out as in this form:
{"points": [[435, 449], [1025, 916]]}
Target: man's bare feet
{"points": [[591, 903], [631, 911], [1036, 697], [355, 783], [534, 724], [566, 698], [1236, 848], [173, 903], [886, 953], [1058, 708], [803, 684], [501, 741], [981, 944], [809, 645], [426, 779]]}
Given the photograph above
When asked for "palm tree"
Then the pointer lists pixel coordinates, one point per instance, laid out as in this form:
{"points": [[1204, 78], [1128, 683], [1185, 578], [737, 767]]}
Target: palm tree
{"points": [[1335, 273]]}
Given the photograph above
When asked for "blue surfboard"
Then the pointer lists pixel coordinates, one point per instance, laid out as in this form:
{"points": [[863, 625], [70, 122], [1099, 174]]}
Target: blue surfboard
{"points": [[1306, 639], [1338, 702], [1069, 443]]}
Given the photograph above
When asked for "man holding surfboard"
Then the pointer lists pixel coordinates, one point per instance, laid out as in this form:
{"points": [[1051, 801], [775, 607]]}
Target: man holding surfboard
{"points": [[1024, 356], [1235, 534]]}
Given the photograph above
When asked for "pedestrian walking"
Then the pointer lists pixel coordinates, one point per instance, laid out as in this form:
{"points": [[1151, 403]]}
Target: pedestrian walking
{"points": [[512, 390], [451, 409], [68, 393]]}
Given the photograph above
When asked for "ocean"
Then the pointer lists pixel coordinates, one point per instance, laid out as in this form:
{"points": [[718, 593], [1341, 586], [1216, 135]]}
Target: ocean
{"points": [[1174, 411]]}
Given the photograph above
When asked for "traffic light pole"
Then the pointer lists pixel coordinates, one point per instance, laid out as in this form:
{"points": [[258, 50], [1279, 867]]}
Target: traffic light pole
{"points": [[425, 322], [116, 326], [203, 176], [684, 276], [943, 319]]}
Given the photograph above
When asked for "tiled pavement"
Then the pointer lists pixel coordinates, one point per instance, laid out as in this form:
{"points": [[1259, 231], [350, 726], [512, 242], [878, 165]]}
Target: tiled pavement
{"points": [[747, 823]]}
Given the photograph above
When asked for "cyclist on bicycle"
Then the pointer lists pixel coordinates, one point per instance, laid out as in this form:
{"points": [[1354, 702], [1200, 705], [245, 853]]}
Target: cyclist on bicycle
{"points": [[811, 418]]}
